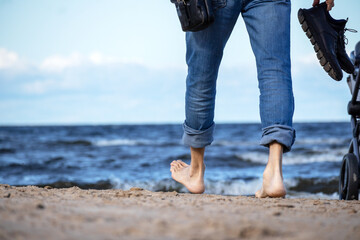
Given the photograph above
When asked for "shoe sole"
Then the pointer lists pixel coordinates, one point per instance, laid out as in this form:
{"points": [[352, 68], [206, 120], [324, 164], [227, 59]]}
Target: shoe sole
{"points": [[319, 54]]}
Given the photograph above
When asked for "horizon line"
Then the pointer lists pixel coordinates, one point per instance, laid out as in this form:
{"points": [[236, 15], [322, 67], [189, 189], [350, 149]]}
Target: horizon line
{"points": [[149, 123]]}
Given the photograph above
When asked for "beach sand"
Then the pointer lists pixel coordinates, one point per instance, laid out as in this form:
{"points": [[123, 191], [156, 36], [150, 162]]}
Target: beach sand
{"points": [[41, 213]]}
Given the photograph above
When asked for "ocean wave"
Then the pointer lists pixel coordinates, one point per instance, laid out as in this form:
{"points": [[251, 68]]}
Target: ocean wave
{"points": [[296, 187], [56, 164], [238, 187], [296, 158], [21, 167], [133, 142], [7, 150], [54, 160], [107, 142], [307, 141], [229, 143], [315, 185], [307, 195], [324, 141], [119, 142], [79, 142]]}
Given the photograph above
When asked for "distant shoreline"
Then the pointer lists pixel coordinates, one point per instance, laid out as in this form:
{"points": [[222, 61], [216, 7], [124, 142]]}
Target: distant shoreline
{"points": [[149, 123]]}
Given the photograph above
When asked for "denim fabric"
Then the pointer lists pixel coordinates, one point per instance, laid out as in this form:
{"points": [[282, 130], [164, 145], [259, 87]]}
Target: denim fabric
{"points": [[268, 25]]}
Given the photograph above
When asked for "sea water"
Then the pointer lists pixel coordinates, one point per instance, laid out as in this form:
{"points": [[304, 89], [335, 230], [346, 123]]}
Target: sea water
{"points": [[123, 156]]}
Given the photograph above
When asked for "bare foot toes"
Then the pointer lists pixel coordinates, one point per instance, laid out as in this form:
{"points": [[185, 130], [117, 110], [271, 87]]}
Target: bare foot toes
{"points": [[192, 179]]}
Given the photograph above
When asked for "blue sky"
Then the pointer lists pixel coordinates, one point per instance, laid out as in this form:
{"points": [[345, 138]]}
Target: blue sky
{"points": [[95, 62]]}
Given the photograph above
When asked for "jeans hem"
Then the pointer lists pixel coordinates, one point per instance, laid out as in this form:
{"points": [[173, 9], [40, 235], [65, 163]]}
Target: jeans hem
{"points": [[197, 138], [282, 134]]}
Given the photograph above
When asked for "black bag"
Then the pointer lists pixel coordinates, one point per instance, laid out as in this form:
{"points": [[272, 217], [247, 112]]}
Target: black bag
{"points": [[194, 15]]}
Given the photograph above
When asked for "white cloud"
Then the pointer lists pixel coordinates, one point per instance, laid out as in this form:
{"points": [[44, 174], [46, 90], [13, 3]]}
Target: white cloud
{"points": [[98, 58], [39, 87], [140, 92], [96, 72], [46, 85], [58, 63], [10, 60], [7, 59]]}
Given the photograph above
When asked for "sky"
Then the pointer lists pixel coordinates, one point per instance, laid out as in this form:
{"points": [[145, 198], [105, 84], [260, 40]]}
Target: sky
{"points": [[115, 62]]}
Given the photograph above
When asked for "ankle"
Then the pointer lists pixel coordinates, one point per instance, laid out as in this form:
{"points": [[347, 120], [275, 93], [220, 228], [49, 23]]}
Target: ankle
{"points": [[274, 164], [197, 166], [272, 172], [197, 169]]}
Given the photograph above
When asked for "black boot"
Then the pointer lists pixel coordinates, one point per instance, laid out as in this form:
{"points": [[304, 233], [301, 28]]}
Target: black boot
{"points": [[323, 37], [343, 58]]}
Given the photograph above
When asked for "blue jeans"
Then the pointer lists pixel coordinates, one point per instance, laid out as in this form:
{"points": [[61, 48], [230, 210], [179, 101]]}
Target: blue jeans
{"points": [[268, 25]]}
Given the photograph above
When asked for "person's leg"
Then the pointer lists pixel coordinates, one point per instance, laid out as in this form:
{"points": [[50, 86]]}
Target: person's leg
{"points": [[203, 57], [268, 25]]}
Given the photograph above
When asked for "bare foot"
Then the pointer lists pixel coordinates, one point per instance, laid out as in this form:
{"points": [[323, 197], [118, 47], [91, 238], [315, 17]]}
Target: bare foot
{"points": [[273, 185], [192, 179]]}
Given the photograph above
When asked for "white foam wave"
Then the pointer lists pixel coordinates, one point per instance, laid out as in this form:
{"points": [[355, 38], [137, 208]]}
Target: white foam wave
{"points": [[335, 156], [322, 140], [294, 158], [299, 141], [238, 187], [228, 143], [162, 185], [119, 142], [319, 195], [219, 187]]}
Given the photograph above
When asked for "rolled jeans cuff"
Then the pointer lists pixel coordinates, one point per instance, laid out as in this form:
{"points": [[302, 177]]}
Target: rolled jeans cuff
{"points": [[197, 138], [282, 134]]}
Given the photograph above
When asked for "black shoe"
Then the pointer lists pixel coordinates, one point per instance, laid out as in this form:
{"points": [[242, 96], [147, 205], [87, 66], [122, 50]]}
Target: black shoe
{"points": [[339, 26], [324, 38]]}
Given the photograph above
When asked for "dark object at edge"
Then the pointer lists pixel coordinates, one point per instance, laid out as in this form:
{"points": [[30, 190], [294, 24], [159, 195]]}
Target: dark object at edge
{"points": [[327, 36], [194, 15], [348, 184], [350, 168], [355, 55]]}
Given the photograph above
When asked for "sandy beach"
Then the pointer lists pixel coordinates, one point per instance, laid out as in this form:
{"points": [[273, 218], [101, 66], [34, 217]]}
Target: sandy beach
{"points": [[46, 213]]}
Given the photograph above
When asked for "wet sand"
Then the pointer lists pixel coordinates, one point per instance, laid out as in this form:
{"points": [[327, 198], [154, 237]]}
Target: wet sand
{"points": [[40, 213]]}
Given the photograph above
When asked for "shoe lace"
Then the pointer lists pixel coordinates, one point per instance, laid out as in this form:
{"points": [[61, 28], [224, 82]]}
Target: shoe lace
{"points": [[343, 39]]}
